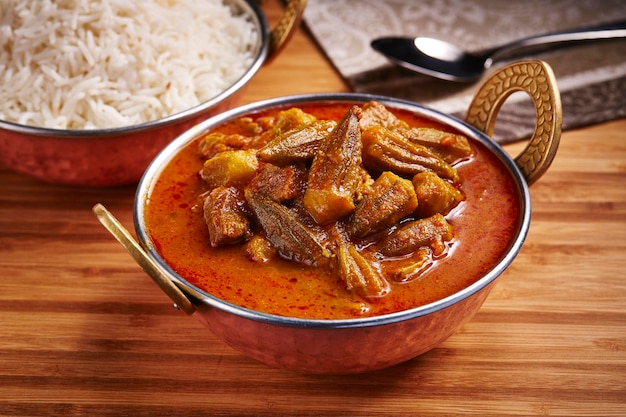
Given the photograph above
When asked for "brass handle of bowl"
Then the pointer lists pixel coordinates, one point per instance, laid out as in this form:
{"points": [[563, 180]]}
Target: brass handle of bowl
{"points": [[537, 80], [141, 257], [286, 26]]}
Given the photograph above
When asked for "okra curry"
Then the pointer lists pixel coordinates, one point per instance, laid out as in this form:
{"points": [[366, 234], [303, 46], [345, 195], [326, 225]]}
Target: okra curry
{"points": [[332, 211]]}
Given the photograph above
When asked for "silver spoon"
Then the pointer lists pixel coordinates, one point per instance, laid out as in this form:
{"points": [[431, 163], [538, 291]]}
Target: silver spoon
{"points": [[443, 60]]}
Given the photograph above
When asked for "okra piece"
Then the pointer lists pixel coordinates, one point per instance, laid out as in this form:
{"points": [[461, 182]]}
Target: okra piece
{"points": [[335, 173], [293, 239], [358, 274], [297, 145], [388, 150], [225, 216], [430, 232], [450, 147]]}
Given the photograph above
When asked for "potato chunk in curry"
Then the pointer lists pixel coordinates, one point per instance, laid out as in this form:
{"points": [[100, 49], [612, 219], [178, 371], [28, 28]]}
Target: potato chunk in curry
{"points": [[230, 168], [435, 194], [391, 198]]}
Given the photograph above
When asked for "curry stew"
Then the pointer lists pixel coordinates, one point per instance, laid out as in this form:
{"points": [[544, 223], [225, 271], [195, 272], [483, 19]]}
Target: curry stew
{"points": [[332, 211]]}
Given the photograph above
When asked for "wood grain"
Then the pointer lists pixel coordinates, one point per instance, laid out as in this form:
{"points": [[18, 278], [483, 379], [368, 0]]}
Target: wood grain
{"points": [[85, 333]]}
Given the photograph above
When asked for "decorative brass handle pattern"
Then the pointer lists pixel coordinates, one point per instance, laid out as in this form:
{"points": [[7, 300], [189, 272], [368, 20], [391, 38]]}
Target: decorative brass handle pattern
{"points": [[537, 80], [286, 26]]}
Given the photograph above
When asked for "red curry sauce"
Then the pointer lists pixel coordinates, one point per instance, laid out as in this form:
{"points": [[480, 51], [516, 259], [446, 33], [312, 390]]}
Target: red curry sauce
{"points": [[484, 225]]}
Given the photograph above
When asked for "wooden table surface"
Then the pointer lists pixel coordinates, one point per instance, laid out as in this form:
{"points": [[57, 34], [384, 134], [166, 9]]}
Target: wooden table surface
{"points": [[84, 332]]}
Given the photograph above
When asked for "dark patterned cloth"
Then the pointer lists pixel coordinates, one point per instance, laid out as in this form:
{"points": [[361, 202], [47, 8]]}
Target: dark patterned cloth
{"points": [[591, 77]]}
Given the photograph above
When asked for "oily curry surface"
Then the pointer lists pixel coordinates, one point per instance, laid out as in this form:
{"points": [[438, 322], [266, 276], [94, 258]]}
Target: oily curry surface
{"points": [[313, 249]]}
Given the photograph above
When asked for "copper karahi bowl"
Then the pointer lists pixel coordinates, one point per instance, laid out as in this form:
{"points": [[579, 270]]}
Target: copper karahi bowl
{"points": [[118, 156], [355, 345]]}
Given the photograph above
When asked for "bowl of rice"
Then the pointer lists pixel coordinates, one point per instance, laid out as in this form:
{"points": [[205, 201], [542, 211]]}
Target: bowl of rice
{"points": [[92, 90]]}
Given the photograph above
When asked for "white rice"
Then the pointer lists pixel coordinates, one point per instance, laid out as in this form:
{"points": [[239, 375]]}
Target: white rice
{"points": [[92, 64]]}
